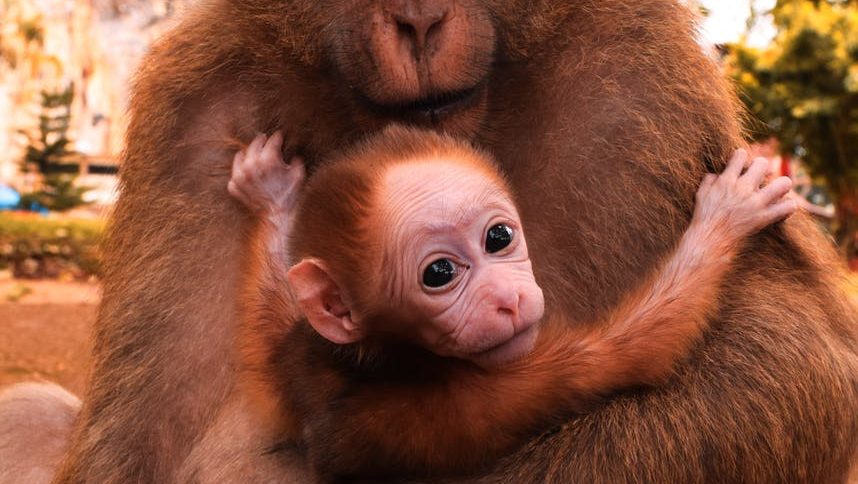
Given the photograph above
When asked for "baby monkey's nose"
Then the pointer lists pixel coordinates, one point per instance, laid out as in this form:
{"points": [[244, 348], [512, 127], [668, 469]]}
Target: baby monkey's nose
{"points": [[507, 300]]}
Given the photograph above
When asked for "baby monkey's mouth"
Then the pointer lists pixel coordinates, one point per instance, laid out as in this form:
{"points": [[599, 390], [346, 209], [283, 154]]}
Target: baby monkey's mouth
{"points": [[430, 109], [510, 350]]}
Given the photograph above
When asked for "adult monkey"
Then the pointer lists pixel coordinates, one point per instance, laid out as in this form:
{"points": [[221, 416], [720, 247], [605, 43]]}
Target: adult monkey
{"points": [[565, 94]]}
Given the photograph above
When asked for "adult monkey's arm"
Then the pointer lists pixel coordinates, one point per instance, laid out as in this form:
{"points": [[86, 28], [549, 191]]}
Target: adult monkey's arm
{"points": [[161, 364], [164, 359]]}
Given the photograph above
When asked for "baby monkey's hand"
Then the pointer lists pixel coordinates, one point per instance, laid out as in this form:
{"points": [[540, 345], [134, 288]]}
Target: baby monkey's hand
{"points": [[733, 205], [263, 182]]}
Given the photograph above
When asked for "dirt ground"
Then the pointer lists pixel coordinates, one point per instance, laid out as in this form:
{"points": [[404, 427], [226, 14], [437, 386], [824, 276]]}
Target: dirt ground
{"points": [[44, 334]]}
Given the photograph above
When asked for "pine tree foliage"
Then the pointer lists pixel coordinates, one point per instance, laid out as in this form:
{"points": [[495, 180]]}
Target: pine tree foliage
{"points": [[49, 154]]}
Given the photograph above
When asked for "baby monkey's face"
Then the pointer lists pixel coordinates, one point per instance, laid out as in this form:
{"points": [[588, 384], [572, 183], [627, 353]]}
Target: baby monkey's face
{"points": [[463, 268]]}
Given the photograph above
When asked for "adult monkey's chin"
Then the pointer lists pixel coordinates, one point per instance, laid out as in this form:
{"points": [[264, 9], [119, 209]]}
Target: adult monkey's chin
{"points": [[511, 350], [421, 56]]}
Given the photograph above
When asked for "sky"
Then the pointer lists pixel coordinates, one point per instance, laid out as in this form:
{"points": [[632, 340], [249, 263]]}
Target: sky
{"points": [[726, 21]]}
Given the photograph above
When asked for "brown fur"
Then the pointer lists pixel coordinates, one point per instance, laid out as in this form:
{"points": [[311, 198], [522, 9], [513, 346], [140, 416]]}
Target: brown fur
{"points": [[603, 114]]}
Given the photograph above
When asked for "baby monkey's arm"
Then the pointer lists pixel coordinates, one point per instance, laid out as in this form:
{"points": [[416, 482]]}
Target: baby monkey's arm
{"points": [[269, 187], [657, 324]]}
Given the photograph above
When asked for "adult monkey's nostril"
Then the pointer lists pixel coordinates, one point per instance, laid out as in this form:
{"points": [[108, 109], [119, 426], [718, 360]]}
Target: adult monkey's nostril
{"points": [[420, 23]]}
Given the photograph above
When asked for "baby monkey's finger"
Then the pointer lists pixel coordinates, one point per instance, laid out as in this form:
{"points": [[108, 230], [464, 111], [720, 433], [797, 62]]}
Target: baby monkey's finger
{"points": [[235, 191], [756, 173], [237, 163], [256, 145], [781, 210], [775, 190], [297, 174], [271, 152], [706, 185], [296, 163], [736, 164]]}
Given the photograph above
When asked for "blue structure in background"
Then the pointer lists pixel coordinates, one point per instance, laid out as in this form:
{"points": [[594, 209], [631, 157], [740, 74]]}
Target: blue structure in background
{"points": [[9, 198]]}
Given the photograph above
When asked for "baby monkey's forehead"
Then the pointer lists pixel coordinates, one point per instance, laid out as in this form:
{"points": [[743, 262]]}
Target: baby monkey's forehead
{"points": [[441, 191]]}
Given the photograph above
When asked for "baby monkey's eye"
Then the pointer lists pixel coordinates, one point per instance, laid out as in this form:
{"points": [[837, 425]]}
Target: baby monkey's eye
{"points": [[439, 273], [498, 238]]}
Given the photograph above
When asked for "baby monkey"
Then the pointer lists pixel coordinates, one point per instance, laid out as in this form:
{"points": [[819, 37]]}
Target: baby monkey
{"points": [[426, 351]]}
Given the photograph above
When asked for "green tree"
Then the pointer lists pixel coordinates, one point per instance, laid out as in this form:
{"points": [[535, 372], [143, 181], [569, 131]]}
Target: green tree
{"points": [[48, 154], [803, 89]]}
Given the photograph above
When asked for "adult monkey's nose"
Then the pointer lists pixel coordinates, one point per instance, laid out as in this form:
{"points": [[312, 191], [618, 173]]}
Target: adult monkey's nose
{"points": [[420, 24]]}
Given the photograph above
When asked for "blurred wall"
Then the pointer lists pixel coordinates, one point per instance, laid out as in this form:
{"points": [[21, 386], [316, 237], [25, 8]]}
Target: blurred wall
{"points": [[94, 45]]}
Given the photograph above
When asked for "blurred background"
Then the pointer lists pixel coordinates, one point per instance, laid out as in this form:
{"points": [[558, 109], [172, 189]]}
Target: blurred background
{"points": [[65, 67]]}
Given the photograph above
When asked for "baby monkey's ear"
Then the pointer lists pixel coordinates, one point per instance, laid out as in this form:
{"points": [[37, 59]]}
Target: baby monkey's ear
{"points": [[321, 302]]}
